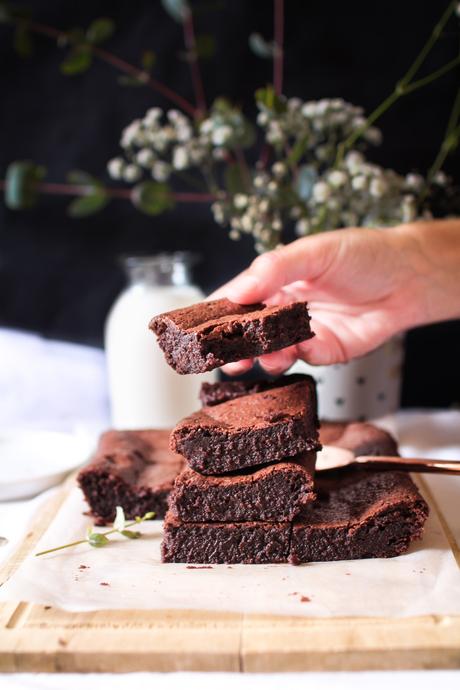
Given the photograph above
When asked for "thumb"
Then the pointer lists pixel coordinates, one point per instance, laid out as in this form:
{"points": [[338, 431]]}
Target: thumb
{"points": [[305, 259]]}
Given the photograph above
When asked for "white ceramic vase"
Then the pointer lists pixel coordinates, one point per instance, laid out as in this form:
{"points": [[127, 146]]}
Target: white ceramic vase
{"points": [[367, 387]]}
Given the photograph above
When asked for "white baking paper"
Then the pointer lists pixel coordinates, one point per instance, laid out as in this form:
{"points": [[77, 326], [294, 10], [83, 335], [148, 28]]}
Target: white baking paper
{"points": [[128, 574]]}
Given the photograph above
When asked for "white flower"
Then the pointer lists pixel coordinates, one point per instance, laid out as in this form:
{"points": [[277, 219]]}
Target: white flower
{"points": [[294, 103], [302, 227], [218, 212], [246, 223], [183, 132], [259, 181], [321, 192], [221, 135], [262, 119], [337, 178], [115, 168], [144, 157], [358, 122], [234, 234], [279, 169], [275, 133], [131, 173], [152, 116], [359, 182], [264, 205], [272, 186], [354, 161], [378, 187], [323, 106], [240, 200], [276, 224], [180, 158], [374, 135], [295, 212], [440, 178], [309, 109], [414, 181], [207, 126], [161, 171], [131, 133]]}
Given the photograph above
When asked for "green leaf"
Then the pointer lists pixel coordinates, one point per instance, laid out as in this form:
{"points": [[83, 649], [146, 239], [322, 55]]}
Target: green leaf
{"points": [[97, 540], [129, 534], [177, 9], [152, 198], [222, 106], [100, 30], [21, 182], [78, 61], [205, 46], [149, 516], [261, 47], [234, 179], [126, 80], [297, 151], [148, 60], [119, 522], [22, 40], [306, 178], [87, 205], [267, 99]]}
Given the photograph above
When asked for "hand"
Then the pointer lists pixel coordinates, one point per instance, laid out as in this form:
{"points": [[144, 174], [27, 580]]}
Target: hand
{"points": [[362, 285]]}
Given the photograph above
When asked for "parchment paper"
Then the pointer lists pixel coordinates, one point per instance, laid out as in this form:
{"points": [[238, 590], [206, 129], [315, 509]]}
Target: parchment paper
{"points": [[128, 574]]}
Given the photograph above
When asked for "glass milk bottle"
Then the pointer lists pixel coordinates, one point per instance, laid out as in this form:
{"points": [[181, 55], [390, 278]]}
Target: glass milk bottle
{"points": [[144, 391]]}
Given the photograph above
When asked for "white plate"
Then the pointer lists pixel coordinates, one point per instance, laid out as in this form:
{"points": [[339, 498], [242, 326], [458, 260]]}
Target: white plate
{"points": [[32, 461]]}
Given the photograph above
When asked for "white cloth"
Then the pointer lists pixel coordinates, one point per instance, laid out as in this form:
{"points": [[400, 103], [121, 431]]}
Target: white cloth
{"points": [[44, 384]]}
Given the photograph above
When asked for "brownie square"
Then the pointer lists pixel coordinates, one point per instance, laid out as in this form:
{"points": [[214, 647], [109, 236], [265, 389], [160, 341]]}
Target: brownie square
{"points": [[133, 469], [253, 430], [359, 514], [225, 542], [275, 493], [209, 334]]}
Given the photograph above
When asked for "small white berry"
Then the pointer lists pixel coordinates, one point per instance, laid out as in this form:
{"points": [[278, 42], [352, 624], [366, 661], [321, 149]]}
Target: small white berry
{"points": [[240, 200], [321, 192], [115, 168], [131, 173], [302, 227]]}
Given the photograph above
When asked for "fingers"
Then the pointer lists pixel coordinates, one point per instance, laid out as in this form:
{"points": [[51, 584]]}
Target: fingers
{"points": [[237, 368], [305, 259]]}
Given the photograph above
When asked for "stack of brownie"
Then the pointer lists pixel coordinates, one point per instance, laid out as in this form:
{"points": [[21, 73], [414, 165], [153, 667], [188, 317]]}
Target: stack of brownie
{"points": [[238, 475], [247, 493]]}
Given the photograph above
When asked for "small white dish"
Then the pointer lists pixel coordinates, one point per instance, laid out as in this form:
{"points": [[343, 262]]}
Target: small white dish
{"points": [[32, 461]]}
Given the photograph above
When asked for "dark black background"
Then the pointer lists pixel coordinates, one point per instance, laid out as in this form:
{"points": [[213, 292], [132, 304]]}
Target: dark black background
{"points": [[59, 276]]}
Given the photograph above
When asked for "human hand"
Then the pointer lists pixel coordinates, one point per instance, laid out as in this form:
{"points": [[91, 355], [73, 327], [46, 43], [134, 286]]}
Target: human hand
{"points": [[362, 285]]}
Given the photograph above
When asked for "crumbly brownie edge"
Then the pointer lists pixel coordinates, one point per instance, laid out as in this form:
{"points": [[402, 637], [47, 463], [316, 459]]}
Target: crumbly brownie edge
{"points": [[250, 543], [275, 497], [104, 491], [223, 452], [212, 394], [383, 535]]}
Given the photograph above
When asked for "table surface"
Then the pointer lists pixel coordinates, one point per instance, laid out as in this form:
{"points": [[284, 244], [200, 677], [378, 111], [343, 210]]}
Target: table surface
{"points": [[60, 386]]}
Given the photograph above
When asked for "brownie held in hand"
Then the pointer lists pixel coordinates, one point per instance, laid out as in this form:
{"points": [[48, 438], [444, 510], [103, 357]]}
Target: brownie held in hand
{"points": [[210, 334], [132, 469], [274, 493], [253, 430]]}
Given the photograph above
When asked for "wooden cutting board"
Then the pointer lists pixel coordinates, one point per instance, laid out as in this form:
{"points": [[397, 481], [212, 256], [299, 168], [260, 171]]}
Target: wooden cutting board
{"points": [[42, 638]]}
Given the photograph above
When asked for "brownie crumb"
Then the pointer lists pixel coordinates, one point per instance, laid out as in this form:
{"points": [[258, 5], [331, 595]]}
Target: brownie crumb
{"points": [[104, 584], [304, 599], [199, 567], [83, 567], [47, 608]]}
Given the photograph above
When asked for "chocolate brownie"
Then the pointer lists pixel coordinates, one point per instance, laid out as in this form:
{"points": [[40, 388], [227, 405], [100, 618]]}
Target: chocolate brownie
{"points": [[356, 515], [225, 542], [132, 469], [275, 493], [359, 514], [209, 334], [254, 430], [217, 393]]}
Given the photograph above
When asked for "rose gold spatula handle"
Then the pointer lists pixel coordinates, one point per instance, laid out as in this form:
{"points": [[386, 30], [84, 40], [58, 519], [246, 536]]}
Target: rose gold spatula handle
{"points": [[392, 462]]}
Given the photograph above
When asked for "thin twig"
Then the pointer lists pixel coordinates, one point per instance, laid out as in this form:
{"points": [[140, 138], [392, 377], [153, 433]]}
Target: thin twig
{"points": [[192, 57], [122, 66], [278, 57], [449, 137], [403, 86]]}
